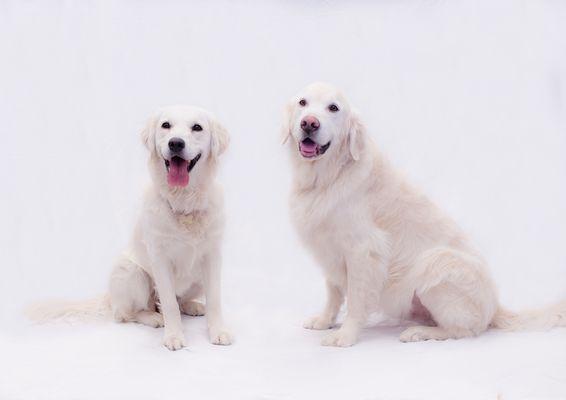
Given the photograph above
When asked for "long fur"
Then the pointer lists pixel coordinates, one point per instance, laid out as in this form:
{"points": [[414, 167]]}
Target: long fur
{"points": [[380, 242], [97, 308], [544, 318], [174, 252]]}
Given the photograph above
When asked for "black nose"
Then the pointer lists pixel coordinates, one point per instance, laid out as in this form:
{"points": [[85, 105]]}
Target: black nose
{"points": [[176, 144]]}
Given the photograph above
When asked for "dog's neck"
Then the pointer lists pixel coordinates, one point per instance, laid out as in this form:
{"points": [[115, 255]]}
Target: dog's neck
{"points": [[185, 201]]}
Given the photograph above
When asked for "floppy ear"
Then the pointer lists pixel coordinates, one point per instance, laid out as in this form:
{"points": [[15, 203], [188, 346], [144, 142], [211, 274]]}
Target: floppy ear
{"points": [[219, 139], [356, 134], [148, 134], [286, 126]]}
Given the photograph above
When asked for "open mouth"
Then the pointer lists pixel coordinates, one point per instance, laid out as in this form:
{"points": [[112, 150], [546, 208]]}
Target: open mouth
{"points": [[310, 149], [178, 170]]}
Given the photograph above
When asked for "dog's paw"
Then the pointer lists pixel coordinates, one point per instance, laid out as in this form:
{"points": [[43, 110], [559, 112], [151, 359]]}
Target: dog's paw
{"points": [[192, 308], [174, 341], [155, 320], [412, 334], [340, 338], [319, 323], [422, 333], [220, 337]]}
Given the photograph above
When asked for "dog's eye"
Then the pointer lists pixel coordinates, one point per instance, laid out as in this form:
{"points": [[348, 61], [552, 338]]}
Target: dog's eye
{"points": [[166, 125], [196, 128], [333, 108], [302, 102]]}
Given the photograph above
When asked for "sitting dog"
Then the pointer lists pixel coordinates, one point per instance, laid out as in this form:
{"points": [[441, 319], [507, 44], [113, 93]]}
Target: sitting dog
{"points": [[381, 244], [174, 256]]}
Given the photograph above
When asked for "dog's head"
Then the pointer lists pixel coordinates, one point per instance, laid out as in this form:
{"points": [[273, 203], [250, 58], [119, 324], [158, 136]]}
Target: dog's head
{"points": [[181, 139], [320, 121]]}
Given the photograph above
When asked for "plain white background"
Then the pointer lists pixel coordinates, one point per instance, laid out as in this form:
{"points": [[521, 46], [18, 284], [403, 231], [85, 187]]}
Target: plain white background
{"points": [[468, 98]]}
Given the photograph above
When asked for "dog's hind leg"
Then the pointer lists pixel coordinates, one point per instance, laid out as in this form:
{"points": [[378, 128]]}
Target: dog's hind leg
{"points": [[132, 297], [455, 289]]}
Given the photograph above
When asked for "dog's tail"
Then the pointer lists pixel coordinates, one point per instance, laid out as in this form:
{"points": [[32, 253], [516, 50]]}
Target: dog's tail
{"points": [[530, 320], [93, 309]]}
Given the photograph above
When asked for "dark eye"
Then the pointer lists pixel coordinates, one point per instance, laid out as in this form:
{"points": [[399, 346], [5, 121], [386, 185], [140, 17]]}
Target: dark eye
{"points": [[333, 108], [302, 102], [166, 125], [196, 128]]}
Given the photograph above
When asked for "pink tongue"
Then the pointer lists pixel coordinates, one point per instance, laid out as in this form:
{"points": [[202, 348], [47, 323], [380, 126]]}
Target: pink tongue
{"points": [[308, 149], [178, 174]]}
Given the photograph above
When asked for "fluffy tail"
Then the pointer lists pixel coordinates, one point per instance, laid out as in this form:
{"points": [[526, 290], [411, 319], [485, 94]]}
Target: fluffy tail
{"points": [[531, 320], [64, 310]]}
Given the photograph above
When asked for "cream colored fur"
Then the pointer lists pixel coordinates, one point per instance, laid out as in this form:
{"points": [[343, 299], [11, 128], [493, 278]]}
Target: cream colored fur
{"points": [[174, 256], [381, 244]]}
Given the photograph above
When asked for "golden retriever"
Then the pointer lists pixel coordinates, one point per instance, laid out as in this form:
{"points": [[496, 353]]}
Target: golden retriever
{"points": [[174, 254], [382, 244]]}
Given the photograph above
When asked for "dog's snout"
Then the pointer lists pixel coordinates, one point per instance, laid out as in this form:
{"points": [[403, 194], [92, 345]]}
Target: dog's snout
{"points": [[176, 144], [310, 124]]}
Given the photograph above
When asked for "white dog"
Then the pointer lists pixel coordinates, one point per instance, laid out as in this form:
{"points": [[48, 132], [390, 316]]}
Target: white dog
{"points": [[382, 244], [174, 256]]}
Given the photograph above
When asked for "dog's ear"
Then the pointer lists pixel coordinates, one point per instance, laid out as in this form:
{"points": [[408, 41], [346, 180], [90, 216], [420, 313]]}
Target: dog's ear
{"points": [[286, 126], [356, 134], [219, 139], [148, 133]]}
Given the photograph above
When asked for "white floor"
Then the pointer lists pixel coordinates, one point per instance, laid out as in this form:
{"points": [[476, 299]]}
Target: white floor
{"points": [[274, 358]]}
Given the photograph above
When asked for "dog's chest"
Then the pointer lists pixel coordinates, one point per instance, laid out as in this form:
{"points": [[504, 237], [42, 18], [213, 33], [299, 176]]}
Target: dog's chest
{"points": [[318, 225], [315, 211], [194, 224], [187, 271], [189, 239], [189, 250]]}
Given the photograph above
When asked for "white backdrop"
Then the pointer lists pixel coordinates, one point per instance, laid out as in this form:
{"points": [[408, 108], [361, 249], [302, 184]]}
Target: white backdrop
{"points": [[468, 98]]}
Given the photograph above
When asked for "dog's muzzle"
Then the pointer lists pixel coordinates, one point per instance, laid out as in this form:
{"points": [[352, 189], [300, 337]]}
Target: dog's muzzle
{"points": [[310, 149]]}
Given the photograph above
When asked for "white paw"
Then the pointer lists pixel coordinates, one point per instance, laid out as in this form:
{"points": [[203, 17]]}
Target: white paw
{"points": [[414, 334], [319, 323], [174, 341], [220, 337], [193, 308], [340, 338], [155, 320]]}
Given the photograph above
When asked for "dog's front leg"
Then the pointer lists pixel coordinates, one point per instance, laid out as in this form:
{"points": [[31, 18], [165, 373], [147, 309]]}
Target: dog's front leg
{"points": [[366, 274], [173, 338], [211, 279], [334, 300]]}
